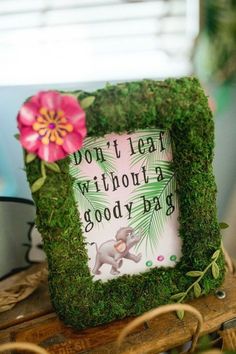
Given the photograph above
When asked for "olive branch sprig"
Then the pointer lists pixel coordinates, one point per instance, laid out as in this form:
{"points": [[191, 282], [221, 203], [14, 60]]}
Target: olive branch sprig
{"points": [[179, 297]]}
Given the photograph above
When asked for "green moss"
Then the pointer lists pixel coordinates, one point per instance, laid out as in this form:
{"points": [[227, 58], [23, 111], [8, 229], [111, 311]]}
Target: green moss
{"points": [[182, 107]]}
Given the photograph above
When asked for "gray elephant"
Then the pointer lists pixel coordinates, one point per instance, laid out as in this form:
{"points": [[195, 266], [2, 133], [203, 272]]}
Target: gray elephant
{"points": [[112, 251]]}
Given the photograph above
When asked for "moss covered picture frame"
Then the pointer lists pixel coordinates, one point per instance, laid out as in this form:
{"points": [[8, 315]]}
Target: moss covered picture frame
{"points": [[164, 132]]}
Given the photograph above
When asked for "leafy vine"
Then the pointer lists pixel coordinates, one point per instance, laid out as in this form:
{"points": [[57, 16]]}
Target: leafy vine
{"points": [[43, 166], [179, 297]]}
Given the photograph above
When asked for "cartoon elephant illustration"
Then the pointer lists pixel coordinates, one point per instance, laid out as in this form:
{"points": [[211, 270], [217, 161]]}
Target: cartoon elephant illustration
{"points": [[112, 251]]}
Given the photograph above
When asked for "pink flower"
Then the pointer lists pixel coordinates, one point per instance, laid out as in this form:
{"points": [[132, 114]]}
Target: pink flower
{"points": [[51, 125]]}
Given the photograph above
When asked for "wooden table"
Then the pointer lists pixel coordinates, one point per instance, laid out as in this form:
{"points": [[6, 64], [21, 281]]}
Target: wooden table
{"points": [[33, 320]]}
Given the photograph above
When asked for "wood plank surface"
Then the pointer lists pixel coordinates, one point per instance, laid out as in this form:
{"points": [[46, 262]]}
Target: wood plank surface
{"points": [[163, 333], [36, 305]]}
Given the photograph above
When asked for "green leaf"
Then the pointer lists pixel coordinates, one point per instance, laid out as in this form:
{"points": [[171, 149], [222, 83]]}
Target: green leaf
{"points": [[52, 166], [194, 273], [37, 184], [43, 169], [17, 136], [91, 200], [30, 157], [110, 161], [152, 223], [78, 93], [197, 290], [215, 254], [223, 225], [180, 314], [152, 159], [215, 270], [177, 296], [87, 102]]}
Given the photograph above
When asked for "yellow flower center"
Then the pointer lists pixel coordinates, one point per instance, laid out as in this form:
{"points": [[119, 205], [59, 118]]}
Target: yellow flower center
{"points": [[52, 126]]}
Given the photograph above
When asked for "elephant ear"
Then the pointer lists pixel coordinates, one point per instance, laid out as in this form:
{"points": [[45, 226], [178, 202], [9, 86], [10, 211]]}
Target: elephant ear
{"points": [[120, 246]]}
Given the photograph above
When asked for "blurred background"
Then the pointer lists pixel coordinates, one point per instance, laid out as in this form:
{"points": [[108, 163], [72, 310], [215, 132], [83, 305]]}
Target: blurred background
{"points": [[69, 44]]}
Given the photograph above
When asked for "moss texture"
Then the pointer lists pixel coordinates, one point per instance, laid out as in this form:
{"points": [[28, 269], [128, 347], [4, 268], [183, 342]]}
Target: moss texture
{"points": [[182, 107]]}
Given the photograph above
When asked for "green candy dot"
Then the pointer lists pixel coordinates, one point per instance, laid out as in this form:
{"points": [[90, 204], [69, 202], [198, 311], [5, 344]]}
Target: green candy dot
{"points": [[149, 263], [173, 258]]}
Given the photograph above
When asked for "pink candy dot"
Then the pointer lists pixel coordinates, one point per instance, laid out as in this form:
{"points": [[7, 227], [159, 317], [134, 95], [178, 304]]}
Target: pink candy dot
{"points": [[160, 258]]}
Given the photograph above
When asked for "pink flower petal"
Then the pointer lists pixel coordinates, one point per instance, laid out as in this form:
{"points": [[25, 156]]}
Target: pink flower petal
{"points": [[51, 152], [50, 100], [27, 113], [74, 113], [68, 101], [81, 129], [35, 99], [72, 142], [19, 124], [29, 139]]}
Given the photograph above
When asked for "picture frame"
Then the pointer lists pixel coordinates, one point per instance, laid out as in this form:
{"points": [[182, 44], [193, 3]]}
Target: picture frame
{"points": [[180, 107]]}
